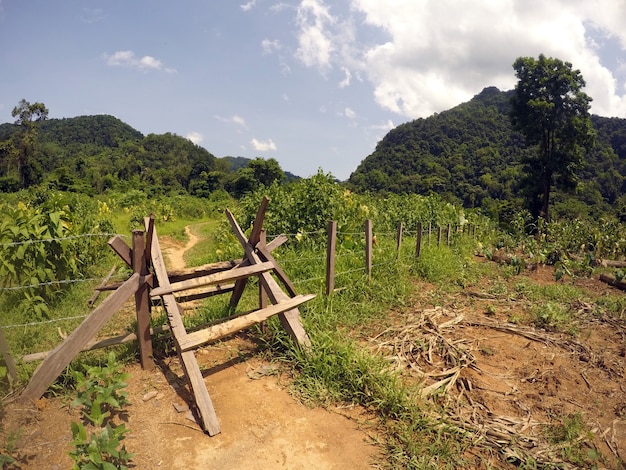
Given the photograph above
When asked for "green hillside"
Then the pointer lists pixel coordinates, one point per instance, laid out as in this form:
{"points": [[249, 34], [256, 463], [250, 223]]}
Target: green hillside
{"points": [[471, 154], [92, 154]]}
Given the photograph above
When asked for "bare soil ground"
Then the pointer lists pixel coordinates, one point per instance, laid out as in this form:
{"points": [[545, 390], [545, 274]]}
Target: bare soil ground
{"points": [[504, 382], [507, 383]]}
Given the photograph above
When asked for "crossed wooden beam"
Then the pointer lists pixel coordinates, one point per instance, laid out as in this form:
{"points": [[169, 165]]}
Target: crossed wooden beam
{"points": [[257, 261]]}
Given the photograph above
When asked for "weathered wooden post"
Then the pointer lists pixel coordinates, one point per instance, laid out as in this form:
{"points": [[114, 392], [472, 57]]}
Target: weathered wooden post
{"points": [[368, 248], [142, 301], [330, 256], [448, 234], [418, 244], [398, 241], [8, 360], [439, 236]]}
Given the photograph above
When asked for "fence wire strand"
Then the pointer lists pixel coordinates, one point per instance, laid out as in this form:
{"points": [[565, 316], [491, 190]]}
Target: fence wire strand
{"points": [[71, 237]]}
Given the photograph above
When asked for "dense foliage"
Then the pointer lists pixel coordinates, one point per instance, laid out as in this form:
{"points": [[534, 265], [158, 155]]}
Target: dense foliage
{"points": [[94, 154], [471, 154], [551, 110]]}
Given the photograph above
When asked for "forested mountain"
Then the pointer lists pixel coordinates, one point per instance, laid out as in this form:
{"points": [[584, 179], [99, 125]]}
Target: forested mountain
{"points": [[471, 154], [91, 154]]}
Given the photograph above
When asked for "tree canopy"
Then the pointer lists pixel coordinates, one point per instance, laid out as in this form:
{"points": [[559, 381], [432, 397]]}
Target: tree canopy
{"points": [[551, 110]]}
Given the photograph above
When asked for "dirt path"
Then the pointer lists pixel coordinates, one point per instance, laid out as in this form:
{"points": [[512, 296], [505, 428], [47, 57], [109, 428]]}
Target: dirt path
{"points": [[175, 254], [263, 426]]}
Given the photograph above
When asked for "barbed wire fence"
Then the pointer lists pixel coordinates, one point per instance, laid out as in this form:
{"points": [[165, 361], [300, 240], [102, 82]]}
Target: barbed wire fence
{"points": [[358, 252]]}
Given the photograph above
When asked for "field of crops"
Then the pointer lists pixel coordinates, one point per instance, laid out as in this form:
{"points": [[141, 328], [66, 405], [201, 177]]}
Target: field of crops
{"points": [[417, 345]]}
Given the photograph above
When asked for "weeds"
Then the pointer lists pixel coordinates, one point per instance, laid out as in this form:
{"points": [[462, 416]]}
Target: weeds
{"points": [[100, 394]]}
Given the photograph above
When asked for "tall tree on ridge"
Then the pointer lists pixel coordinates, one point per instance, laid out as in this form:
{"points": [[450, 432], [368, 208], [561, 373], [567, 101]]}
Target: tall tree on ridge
{"points": [[27, 115], [551, 110]]}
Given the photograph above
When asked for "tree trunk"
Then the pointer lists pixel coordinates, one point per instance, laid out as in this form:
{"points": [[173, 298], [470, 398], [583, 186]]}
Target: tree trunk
{"points": [[545, 200]]}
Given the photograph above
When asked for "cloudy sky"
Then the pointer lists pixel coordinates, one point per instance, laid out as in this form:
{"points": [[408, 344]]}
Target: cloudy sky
{"points": [[312, 83]]}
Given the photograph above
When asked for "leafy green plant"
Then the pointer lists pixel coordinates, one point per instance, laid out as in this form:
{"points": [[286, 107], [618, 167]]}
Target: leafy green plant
{"points": [[102, 450], [551, 316], [100, 391]]}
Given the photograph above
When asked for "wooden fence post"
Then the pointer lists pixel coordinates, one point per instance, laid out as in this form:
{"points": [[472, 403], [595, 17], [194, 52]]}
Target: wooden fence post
{"points": [[448, 234], [330, 256], [368, 248], [439, 236], [8, 360], [142, 301], [430, 230], [398, 240], [418, 244]]}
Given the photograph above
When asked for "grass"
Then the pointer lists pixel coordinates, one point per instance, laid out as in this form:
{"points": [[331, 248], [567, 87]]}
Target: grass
{"points": [[340, 368]]}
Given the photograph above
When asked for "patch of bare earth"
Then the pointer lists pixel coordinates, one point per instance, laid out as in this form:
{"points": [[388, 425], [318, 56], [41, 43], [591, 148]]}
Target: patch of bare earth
{"points": [[262, 426], [505, 382]]}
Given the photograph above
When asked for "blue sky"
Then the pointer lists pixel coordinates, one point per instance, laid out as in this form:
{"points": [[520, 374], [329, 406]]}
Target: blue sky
{"points": [[312, 83]]}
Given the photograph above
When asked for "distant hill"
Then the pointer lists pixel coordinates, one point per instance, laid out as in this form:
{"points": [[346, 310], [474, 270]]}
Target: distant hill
{"points": [[470, 154], [94, 153]]}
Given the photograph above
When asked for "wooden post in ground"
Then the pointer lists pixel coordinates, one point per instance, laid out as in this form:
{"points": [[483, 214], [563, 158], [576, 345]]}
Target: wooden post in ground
{"points": [[330, 256], [368, 248], [398, 241], [418, 244], [439, 236], [8, 360], [142, 302], [430, 231], [448, 234]]}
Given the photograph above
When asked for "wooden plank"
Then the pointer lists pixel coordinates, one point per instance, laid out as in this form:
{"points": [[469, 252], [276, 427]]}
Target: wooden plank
{"points": [[122, 250], [255, 236], [204, 270], [142, 302], [62, 355], [94, 297], [224, 276], [330, 256], [265, 254], [240, 322], [276, 242], [187, 359], [257, 225], [103, 343], [204, 293], [290, 319]]}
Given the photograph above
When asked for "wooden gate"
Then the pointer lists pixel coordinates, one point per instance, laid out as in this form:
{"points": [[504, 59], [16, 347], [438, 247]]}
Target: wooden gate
{"points": [[151, 280]]}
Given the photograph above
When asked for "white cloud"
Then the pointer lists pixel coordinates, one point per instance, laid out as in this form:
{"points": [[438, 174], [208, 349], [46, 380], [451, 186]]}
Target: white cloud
{"points": [[348, 76], [422, 56], [235, 119], [195, 137], [128, 59], [248, 6], [263, 146], [350, 114], [270, 46], [315, 44], [442, 53]]}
